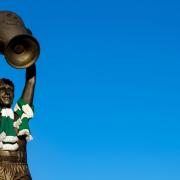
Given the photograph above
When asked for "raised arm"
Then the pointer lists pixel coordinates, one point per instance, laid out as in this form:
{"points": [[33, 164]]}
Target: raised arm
{"points": [[28, 92]]}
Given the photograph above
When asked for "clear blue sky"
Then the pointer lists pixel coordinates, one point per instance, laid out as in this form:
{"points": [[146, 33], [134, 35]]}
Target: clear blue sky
{"points": [[108, 88]]}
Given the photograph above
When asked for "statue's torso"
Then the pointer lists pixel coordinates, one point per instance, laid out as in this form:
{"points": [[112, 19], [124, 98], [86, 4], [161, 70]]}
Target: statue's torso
{"points": [[13, 164]]}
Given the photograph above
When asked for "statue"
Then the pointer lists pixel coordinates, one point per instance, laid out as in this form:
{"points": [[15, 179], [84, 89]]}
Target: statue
{"points": [[15, 132], [21, 51]]}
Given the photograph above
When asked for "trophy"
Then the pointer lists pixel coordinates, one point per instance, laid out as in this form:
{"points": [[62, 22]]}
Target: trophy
{"points": [[17, 44]]}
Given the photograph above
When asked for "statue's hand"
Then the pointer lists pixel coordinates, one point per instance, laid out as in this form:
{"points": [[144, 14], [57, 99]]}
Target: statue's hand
{"points": [[30, 72]]}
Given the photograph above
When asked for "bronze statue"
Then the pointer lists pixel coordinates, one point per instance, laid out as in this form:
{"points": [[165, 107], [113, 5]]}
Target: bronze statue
{"points": [[13, 161], [21, 51]]}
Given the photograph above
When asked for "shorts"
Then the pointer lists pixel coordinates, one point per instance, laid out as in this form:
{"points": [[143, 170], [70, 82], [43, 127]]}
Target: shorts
{"points": [[13, 166], [14, 171]]}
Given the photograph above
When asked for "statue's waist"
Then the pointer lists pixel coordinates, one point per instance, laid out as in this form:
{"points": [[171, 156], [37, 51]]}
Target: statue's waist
{"points": [[13, 156]]}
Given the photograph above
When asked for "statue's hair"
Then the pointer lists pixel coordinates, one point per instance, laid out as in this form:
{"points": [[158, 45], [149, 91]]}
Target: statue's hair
{"points": [[6, 81]]}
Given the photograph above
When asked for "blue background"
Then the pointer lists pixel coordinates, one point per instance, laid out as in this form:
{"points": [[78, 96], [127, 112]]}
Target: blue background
{"points": [[108, 93]]}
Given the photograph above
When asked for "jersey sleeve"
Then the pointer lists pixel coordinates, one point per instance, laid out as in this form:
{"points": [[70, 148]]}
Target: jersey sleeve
{"points": [[24, 113]]}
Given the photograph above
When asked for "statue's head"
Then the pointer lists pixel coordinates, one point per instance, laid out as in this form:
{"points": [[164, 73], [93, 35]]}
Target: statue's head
{"points": [[6, 92]]}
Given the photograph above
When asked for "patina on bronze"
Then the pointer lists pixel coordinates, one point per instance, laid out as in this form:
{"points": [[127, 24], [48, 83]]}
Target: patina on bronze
{"points": [[19, 47]]}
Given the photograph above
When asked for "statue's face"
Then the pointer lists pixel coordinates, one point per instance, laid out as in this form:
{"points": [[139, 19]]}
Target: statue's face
{"points": [[6, 95]]}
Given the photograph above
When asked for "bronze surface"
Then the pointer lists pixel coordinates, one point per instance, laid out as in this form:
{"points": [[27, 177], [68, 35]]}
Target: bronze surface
{"points": [[13, 164], [19, 47]]}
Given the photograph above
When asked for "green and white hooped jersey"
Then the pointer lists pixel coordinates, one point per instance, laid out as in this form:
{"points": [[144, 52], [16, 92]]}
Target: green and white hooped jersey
{"points": [[8, 135]]}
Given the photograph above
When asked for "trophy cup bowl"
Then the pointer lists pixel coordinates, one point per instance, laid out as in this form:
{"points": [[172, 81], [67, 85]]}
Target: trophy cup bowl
{"points": [[19, 47]]}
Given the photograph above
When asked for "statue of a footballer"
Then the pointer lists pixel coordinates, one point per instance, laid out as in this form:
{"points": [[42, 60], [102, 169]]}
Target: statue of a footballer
{"points": [[15, 131], [21, 50]]}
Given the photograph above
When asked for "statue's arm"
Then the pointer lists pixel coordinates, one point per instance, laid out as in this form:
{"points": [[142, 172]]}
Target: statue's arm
{"points": [[28, 92]]}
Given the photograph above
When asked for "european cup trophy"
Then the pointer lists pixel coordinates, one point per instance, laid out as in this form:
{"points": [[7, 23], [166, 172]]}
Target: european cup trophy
{"points": [[20, 50], [17, 44]]}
